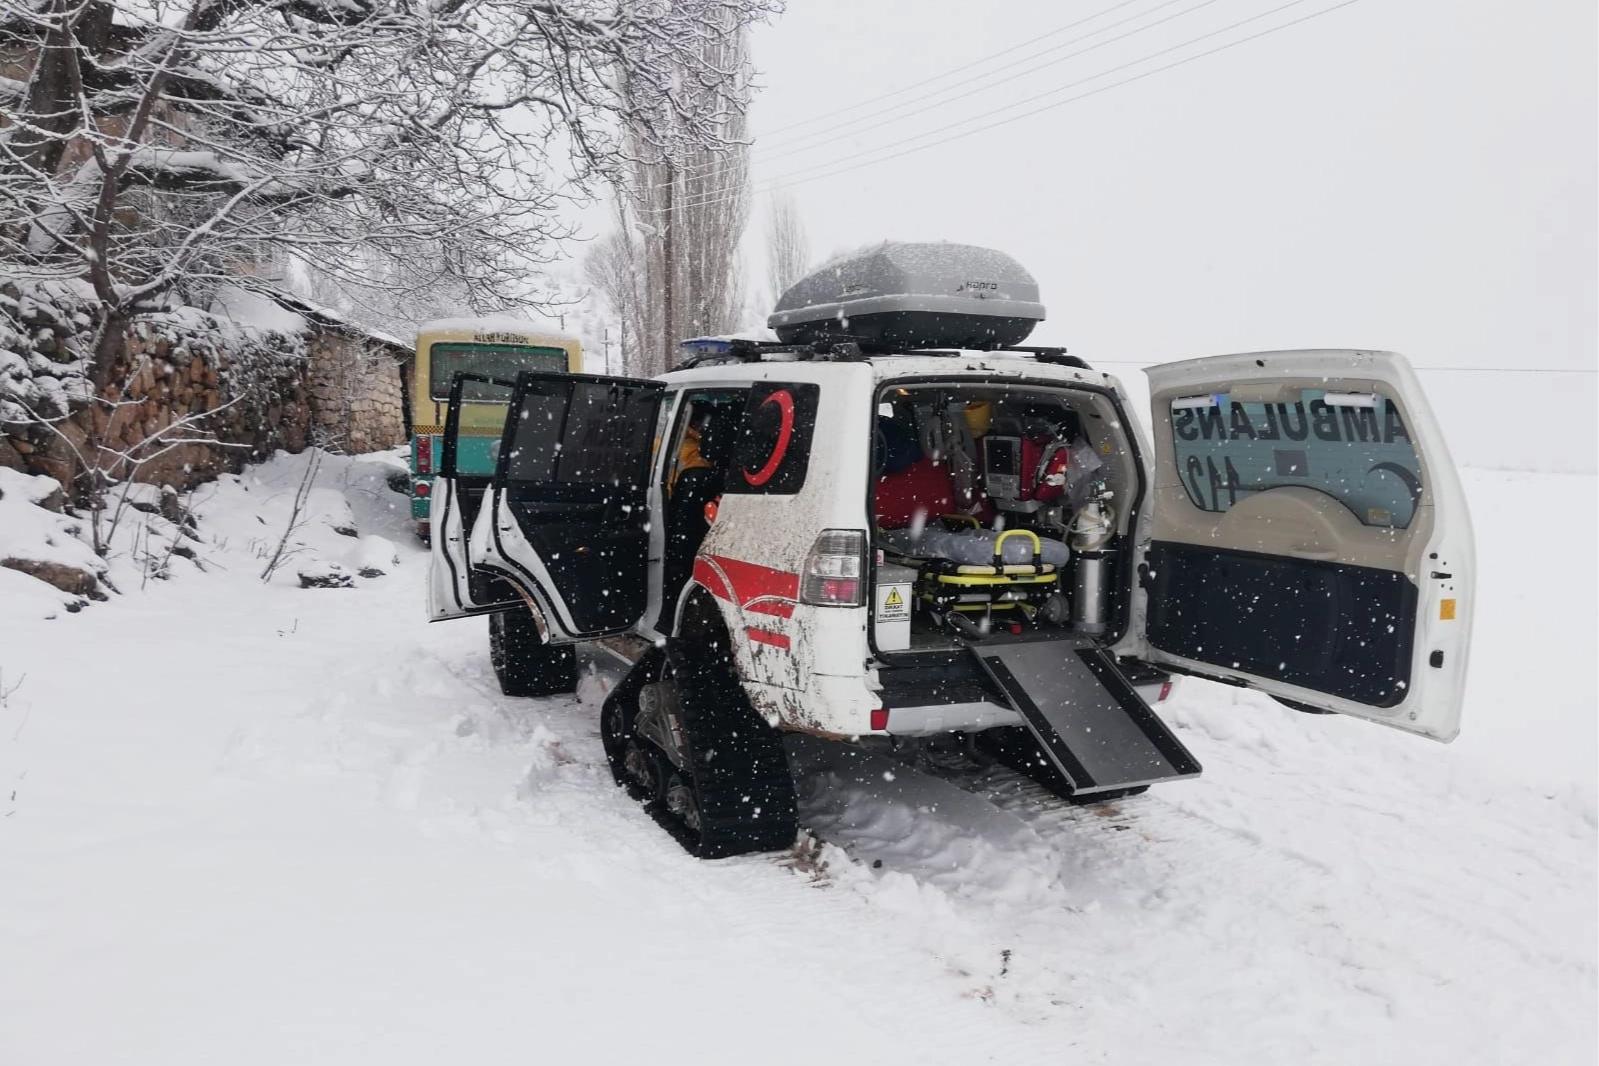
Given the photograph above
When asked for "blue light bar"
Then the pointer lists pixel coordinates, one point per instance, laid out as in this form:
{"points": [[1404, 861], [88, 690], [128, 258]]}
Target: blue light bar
{"points": [[706, 345]]}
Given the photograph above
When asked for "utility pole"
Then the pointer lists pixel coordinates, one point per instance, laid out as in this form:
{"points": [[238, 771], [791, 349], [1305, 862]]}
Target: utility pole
{"points": [[668, 275]]}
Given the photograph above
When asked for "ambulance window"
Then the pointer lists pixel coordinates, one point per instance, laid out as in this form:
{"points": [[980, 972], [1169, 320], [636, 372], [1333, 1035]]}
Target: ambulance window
{"points": [[774, 443], [719, 411], [583, 433], [1355, 448]]}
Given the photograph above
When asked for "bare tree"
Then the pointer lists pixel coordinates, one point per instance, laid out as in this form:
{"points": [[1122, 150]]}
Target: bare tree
{"points": [[788, 249], [153, 147], [614, 266], [671, 268]]}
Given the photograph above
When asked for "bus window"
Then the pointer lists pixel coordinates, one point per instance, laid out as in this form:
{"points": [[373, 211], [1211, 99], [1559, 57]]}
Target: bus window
{"points": [[490, 360], [492, 348]]}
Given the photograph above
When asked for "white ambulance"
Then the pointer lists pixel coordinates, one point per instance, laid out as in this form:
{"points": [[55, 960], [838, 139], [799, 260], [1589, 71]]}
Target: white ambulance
{"points": [[896, 522]]}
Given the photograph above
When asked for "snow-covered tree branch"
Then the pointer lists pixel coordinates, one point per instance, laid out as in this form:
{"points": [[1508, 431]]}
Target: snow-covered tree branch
{"points": [[671, 269], [152, 148]]}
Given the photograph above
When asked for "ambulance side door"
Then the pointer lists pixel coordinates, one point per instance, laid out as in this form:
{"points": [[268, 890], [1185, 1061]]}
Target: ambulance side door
{"points": [[569, 517], [457, 587], [1309, 535]]}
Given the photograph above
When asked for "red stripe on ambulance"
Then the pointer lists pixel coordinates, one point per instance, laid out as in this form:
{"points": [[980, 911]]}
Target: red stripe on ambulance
{"points": [[755, 588], [766, 636]]}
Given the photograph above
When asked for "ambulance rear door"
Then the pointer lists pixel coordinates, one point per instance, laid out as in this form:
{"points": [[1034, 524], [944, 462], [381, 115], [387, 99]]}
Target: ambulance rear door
{"points": [[1309, 536]]}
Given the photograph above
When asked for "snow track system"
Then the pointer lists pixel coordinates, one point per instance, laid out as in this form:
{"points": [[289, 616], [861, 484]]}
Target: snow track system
{"points": [[683, 740]]}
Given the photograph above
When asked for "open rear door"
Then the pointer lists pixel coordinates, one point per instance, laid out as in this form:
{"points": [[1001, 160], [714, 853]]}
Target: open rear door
{"points": [[568, 515], [457, 588], [1310, 536]]}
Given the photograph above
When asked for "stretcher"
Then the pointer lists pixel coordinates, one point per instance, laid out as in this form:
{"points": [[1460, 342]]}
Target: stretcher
{"points": [[955, 585]]}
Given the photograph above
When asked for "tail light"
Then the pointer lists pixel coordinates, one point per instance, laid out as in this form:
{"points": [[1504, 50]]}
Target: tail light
{"points": [[425, 488], [1165, 690], [879, 719], [834, 574], [424, 455]]}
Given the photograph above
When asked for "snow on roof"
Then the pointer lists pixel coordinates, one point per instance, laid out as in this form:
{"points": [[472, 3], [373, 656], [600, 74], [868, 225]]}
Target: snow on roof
{"points": [[327, 316], [252, 310], [495, 324]]}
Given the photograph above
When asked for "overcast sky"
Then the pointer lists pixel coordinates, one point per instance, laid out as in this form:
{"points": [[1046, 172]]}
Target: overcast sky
{"points": [[1407, 174]]}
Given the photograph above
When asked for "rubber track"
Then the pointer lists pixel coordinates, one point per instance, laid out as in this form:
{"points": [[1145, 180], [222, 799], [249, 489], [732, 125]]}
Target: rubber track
{"points": [[740, 768]]}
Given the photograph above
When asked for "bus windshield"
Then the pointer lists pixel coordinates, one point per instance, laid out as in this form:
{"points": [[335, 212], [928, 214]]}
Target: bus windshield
{"points": [[491, 360]]}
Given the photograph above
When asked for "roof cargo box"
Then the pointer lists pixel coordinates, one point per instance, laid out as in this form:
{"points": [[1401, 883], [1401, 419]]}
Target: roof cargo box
{"points": [[897, 295]]}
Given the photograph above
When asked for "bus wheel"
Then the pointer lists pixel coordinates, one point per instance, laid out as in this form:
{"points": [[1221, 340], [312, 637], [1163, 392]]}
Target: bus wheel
{"points": [[525, 665]]}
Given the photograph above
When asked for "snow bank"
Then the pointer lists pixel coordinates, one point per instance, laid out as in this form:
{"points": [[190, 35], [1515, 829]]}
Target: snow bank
{"points": [[27, 597], [44, 543]]}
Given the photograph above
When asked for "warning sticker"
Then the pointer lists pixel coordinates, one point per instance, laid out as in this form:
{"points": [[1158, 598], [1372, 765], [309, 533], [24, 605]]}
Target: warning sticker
{"points": [[894, 606]]}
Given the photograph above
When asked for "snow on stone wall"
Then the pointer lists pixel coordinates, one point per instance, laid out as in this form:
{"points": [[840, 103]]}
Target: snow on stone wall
{"points": [[251, 389]]}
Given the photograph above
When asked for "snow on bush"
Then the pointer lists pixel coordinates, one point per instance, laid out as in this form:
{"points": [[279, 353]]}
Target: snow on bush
{"points": [[325, 574], [376, 556]]}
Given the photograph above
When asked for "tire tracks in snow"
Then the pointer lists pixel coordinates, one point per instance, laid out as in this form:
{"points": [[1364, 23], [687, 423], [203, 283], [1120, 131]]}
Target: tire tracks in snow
{"points": [[1240, 919]]}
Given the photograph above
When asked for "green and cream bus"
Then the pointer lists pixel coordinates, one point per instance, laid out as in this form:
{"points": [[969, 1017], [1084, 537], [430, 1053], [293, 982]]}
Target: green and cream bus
{"points": [[497, 348]]}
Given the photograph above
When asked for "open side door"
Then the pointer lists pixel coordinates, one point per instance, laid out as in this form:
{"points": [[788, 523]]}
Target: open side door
{"points": [[568, 517], [1309, 536], [456, 587]]}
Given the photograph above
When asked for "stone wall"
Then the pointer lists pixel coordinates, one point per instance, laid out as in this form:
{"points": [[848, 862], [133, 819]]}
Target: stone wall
{"points": [[182, 375], [356, 391]]}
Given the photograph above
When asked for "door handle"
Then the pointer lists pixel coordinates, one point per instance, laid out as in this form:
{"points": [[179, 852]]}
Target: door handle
{"points": [[1306, 551]]}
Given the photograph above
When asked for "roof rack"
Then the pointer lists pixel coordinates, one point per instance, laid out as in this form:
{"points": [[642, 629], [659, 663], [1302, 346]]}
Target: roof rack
{"points": [[709, 351], [1056, 356]]}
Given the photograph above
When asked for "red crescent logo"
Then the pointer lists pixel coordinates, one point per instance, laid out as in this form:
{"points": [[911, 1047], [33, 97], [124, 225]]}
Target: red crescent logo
{"points": [[785, 406]]}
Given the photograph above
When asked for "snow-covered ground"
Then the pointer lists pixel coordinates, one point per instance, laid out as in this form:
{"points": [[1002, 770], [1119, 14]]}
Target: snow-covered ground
{"points": [[251, 823]]}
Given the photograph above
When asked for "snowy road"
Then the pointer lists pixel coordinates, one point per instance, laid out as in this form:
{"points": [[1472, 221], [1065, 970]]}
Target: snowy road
{"points": [[258, 824]]}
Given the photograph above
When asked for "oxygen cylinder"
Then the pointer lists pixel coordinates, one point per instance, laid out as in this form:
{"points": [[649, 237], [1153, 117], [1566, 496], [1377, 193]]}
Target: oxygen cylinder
{"points": [[1092, 559]]}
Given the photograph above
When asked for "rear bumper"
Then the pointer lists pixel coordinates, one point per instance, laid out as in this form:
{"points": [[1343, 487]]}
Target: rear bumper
{"points": [[948, 692], [938, 692]]}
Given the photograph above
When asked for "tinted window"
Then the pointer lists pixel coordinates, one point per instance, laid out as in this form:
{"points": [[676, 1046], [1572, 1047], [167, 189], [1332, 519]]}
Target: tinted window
{"points": [[719, 412], [774, 442], [536, 442], [1357, 452], [583, 432]]}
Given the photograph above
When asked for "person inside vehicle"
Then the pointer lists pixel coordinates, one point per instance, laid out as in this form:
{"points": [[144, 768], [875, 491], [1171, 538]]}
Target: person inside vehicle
{"points": [[689, 456], [697, 481]]}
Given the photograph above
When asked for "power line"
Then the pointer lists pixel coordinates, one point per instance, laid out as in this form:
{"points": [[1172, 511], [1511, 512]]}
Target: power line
{"points": [[783, 181], [951, 72], [936, 102], [810, 141], [1420, 369], [792, 179]]}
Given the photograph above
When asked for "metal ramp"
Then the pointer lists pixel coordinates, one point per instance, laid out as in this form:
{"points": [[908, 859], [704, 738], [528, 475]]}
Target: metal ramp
{"points": [[1094, 727]]}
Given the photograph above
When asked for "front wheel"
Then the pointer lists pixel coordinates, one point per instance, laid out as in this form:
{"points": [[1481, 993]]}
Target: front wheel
{"points": [[524, 663]]}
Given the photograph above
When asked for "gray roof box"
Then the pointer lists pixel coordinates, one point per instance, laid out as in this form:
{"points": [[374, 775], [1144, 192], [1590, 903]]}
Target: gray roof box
{"points": [[897, 295]]}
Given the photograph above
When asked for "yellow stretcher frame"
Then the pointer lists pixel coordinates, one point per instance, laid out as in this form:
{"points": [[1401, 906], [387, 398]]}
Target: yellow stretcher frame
{"points": [[943, 587]]}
